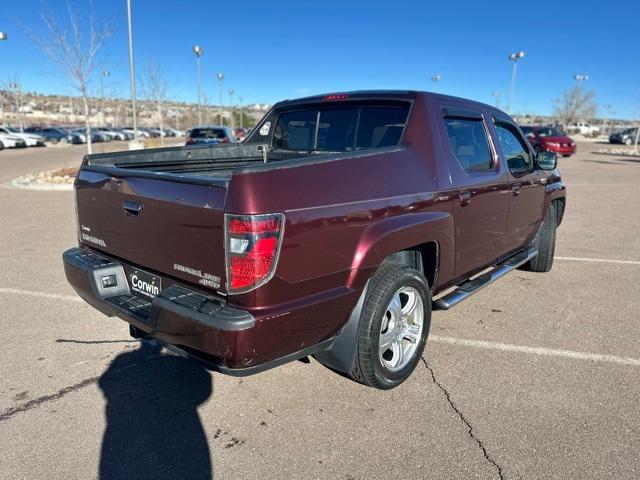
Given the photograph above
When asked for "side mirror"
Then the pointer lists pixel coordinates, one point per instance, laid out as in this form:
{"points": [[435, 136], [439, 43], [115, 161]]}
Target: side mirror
{"points": [[546, 160], [531, 135]]}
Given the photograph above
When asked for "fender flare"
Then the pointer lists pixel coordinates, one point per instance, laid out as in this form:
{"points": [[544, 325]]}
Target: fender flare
{"points": [[377, 242], [397, 233]]}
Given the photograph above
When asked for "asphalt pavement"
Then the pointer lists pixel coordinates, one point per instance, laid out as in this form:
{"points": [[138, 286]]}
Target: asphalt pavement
{"points": [[535, 376]]}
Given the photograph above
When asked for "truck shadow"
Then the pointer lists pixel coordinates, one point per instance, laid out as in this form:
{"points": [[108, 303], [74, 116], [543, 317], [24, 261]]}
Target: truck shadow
{"points": [[153, 427]]}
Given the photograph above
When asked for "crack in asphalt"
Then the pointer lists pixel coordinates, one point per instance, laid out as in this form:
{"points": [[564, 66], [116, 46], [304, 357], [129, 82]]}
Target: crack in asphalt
{"points": [[46, 398], [464, 420], [36, 402], [93, 342]]}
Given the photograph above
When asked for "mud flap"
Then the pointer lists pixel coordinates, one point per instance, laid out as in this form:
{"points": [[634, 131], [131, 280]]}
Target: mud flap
{"points": [[341, 354]]}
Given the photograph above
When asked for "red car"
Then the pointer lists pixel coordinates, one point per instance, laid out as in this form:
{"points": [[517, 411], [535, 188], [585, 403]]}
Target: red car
{"points": [[551, 139]]}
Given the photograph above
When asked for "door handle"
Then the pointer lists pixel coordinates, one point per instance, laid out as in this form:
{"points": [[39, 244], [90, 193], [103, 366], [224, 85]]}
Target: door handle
{"points": [[515, 189], [132, 207], [465, 198]]}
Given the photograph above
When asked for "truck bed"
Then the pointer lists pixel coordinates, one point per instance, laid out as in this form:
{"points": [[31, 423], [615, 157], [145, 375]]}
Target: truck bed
{"points": [[195, 161]]}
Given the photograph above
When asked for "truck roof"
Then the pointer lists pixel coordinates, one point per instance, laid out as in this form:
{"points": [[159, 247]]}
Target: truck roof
{"points": [[379, 95]]}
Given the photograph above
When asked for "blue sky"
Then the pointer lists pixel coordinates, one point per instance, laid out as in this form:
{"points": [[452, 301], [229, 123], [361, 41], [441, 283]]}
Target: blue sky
{"points": [[271, 50]]}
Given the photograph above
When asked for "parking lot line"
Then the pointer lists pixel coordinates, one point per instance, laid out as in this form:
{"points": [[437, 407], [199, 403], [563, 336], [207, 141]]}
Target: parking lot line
{"points": [[53, 296], [598, 260], [548, 352]]}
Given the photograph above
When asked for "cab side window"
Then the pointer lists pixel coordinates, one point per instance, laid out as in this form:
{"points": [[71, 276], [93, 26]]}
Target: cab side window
{"points": [[468, 139], [514, 148]]}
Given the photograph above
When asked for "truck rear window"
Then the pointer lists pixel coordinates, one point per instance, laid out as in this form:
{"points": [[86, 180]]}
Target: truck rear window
{"points": [[340, 129]]}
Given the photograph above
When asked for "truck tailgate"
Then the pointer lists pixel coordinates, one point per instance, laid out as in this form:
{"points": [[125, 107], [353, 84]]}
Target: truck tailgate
{"points": [[168, 226]]}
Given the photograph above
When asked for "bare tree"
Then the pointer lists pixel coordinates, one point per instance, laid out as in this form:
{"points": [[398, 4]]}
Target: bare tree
{"points": [[74, 49], [155, 87], [576, 104], [12, 93]]}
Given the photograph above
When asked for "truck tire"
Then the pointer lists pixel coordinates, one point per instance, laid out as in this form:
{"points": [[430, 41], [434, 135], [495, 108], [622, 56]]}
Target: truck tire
{"points": [[545, 243], [393, 327]]}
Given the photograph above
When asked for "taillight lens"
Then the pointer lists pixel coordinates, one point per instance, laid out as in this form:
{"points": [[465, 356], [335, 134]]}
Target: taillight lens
{"points": [[252, 246]]}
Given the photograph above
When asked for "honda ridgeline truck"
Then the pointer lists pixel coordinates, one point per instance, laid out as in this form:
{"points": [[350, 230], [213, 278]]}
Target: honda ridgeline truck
{"points": [[333, 230]]}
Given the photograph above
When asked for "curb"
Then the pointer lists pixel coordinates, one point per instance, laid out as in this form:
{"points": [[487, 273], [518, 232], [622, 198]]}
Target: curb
{"points": [[46, 187], [617, 152]]}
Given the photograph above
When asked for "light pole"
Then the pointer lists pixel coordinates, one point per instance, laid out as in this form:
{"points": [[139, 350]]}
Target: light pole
{"points": [[513, 57], [3, 36], [220, 77], [435, 78], [580, 78], [198, 53], [132, 75], [497, 96], [240, 99], [102, 77], [231, 92]]}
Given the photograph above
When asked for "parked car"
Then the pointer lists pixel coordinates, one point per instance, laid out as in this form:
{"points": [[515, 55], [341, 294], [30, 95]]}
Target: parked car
{"points": [[584, 128], [110, 133], [176, 132], [127, 135], [96, 136], [55, 135], [30, 139], [11, 141], [209, 135], [549, 138], [626, 136], [141, 132], [333, 230], [240, 134]]}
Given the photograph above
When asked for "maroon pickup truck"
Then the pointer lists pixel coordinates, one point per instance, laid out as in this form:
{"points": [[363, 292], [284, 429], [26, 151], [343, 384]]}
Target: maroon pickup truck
{"points": [[333, 230]]}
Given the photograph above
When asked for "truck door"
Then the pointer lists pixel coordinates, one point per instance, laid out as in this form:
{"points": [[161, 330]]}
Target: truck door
{"points": [[480, 189], [527, 186]]}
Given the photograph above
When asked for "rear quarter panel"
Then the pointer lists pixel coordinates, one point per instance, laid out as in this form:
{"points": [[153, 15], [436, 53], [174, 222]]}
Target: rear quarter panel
{"points": [[344, 217]]}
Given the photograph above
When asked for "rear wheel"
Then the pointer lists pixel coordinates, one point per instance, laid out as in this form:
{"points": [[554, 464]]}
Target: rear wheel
{"points": [[1, 146], [394, 326], [628, 141], [545, 243]]}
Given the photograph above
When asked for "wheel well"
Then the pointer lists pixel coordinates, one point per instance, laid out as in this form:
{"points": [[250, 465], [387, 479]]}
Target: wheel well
{"points": [[423, 257], [559, 203]]}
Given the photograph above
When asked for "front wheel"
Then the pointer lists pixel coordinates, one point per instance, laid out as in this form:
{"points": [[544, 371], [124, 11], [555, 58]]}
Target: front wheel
{"points": [[628, 141], [393, 328]]}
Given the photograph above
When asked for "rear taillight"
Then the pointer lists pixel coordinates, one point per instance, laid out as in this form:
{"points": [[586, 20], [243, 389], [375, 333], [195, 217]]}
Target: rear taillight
{"points": [[252, 246], [190, 141]]}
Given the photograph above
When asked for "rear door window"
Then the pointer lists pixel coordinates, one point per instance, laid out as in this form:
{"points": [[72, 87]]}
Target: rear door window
{"points": [[469, 142]]}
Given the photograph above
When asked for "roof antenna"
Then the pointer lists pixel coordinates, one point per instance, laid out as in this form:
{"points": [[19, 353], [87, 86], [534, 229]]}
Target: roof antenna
{"points": [[264, 149]]}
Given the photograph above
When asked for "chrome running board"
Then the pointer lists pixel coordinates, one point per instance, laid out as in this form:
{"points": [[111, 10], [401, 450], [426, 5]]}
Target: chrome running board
{"points": [[469, 287]]}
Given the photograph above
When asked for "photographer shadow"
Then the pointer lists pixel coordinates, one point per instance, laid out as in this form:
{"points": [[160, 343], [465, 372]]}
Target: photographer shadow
{"points": [[153, 427]]}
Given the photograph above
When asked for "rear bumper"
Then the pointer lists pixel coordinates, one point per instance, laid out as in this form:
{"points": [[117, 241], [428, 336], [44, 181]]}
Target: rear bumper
{"points": [[224, 338]]}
